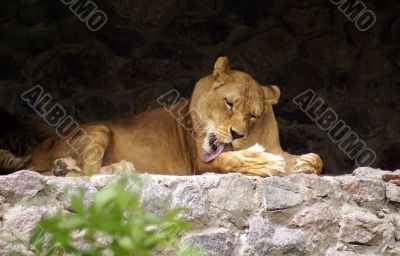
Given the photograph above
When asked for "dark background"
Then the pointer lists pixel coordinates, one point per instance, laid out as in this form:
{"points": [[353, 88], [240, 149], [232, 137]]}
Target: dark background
{"points": [[148, 47]]}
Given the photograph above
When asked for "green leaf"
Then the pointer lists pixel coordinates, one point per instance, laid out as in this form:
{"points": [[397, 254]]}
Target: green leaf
{"points": [[73, 223]]}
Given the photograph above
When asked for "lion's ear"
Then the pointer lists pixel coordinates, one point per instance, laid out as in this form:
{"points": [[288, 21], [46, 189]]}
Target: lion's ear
{"points": [[271, 94], [221, 66]]}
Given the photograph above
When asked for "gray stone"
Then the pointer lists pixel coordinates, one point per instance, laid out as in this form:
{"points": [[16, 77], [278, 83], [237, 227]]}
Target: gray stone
{"points": [[300, 214], [64, 189], [4, 206], [363, 190], [278, 193], [320, 224], [20, 220], [368, 172], [318, 217], [99, 181], [215, 241], [155, 196], [192, 198], [266, 238], [393, 192], [362, 227], [396, 223], [234, 196], [21, 185], [319, 186], [336, 252]]}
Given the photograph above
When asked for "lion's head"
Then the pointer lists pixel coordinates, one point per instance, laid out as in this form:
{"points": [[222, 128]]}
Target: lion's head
{"points": [[226, 107]]}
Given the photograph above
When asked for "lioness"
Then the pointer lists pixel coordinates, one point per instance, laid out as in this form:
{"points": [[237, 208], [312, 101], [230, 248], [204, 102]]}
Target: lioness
{"points": [[229, 126]]}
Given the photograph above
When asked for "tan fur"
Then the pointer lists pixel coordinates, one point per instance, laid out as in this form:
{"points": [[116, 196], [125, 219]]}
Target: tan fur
{"points": [[156, 142]]}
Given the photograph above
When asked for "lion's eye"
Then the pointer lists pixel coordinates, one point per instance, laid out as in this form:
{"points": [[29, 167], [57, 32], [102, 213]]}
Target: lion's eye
{"points": [[228, 104]]}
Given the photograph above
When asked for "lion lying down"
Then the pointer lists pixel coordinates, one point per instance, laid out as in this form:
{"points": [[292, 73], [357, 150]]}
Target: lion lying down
{"points": [[229, 126]]}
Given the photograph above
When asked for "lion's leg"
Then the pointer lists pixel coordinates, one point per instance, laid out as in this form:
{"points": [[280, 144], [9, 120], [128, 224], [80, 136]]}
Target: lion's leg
{"points": [[118, 168], [93, 158], [96, 141], [253, 161], [307, 163]]}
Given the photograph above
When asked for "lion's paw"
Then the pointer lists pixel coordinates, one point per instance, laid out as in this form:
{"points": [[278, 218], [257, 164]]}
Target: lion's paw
{"points": [[308, 163], [65, 167], [256, 161], [118, 168]]}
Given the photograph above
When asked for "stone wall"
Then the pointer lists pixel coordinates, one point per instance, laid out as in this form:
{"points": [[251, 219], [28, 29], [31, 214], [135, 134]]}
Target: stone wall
{"points": [[148, 47], [233, 214]]}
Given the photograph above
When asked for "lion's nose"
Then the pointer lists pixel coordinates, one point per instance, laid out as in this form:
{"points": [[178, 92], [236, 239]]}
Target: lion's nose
{"points": [[236, 135]]}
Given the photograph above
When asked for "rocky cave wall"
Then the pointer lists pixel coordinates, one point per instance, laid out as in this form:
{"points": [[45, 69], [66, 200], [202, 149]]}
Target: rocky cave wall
{"points": [[148, 47], [233, 214]]}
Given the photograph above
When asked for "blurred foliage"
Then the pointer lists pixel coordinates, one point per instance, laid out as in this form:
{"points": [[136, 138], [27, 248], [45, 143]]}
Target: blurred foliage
{"points": [[113, 224]]}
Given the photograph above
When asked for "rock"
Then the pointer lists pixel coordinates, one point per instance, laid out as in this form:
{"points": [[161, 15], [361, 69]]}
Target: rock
{"points": [[378, 88], [298, 76], [135, 72], [363, 190], [203, 31], [266, 238], [329, 49], [393, 35], [4, 206], [234, 214], [234, 197], [370, 173], [187, 56], [320, 186], [320, 219], [11, 65], [277, 193], [362, 227], [64, 189], [144, 11], [121, 39], [362, 39], [396, 223], [398, 60], [308, 20], [269, 49], [320, 224], [35, 12], [99, 181], [20, 220], [393, 192], [249, 13], [335, 252], [373, 64], [21, 185], [214, 241], [192, 198], [156, 196], [88, 107]]}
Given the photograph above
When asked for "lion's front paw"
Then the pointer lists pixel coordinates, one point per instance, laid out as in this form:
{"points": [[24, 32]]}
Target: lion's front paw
{"points": [[65, 167], [256, 161], [121, 167], [308, 163]]}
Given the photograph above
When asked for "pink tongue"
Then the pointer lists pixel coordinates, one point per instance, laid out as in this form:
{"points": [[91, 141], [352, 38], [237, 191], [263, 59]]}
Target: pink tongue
{"points": [[208, 157]]}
